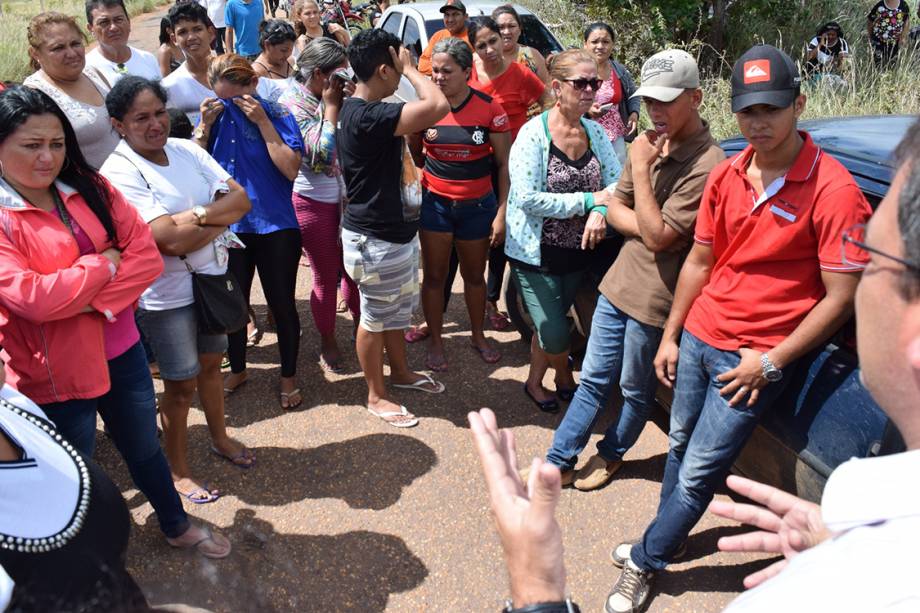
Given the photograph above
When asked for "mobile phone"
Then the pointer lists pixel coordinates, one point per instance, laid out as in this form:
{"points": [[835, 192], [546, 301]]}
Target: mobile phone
{"points": [[606, 107], [345, 74]]}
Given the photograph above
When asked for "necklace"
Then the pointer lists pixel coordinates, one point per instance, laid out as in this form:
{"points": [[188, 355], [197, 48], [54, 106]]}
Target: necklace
{"points": [[50, 543]]}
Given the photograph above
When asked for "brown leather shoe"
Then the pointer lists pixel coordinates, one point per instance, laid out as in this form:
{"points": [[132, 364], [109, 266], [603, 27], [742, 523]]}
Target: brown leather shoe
{"points": [[567, 476], [597, 472]]}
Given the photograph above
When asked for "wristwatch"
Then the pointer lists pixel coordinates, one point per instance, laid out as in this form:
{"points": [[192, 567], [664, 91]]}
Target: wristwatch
{"points": [[770, 372], [200, 213], [199, 133]]}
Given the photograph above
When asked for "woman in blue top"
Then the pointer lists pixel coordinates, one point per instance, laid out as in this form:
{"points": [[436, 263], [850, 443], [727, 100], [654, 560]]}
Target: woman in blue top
{"points": [[259, 144], [563, 169]]}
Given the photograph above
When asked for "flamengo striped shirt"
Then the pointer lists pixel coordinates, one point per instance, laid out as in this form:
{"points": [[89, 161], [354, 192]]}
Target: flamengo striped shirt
{"points": [[458, 164]]}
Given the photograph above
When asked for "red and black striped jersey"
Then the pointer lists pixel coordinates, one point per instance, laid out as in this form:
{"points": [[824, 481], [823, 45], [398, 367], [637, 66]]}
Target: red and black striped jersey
{"points": [[458, 164]]}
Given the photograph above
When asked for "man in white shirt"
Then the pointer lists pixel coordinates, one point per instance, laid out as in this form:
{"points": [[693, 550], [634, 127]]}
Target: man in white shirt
{"points": [[862, 541], [112, 58]]}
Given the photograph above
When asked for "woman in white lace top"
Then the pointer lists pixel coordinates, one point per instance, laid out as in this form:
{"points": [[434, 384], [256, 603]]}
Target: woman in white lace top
{"points": [[58, 52]]}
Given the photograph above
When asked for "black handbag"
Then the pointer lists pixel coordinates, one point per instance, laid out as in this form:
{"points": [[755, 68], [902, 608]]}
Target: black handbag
{"points": [[220, 306]]}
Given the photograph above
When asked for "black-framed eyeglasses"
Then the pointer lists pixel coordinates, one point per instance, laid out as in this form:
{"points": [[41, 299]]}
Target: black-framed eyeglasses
{"points": [[856, 251], [581, 84]]}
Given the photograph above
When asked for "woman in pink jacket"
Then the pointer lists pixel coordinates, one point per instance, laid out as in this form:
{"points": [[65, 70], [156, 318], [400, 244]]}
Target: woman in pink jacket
{"points": [[74, 257]]}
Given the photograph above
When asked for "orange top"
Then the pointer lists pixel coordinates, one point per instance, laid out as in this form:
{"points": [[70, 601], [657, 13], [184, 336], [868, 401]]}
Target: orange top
{"points": [[424, 62]]}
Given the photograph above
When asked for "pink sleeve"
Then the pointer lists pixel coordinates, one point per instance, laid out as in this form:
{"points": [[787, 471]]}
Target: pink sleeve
{"points": [[834, 214], [141, 262], [40, 298]]}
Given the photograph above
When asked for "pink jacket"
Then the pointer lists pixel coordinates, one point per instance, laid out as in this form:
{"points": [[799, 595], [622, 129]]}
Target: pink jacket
{"points": [[53, 351]]}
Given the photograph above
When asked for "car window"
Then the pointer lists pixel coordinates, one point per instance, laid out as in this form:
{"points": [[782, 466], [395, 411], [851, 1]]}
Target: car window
{"points": [[534, 34], [411, 38], [432, 26], [391, 25]]}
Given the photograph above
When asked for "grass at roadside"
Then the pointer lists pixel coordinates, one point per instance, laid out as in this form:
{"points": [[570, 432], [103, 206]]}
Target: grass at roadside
{"points": [[866, 92], [14, 57]]}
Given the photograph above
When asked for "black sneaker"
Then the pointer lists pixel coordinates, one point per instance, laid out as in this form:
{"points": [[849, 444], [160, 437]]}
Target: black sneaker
{"points": [[630, 592], [620, 554]]}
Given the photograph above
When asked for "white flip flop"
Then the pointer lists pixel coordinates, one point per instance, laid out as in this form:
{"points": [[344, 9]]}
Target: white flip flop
{"points": [[402, 412], [420, 385]]}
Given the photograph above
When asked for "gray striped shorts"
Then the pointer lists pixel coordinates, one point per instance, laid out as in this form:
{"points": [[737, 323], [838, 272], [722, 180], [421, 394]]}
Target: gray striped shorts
{"points": [[387, 278]]}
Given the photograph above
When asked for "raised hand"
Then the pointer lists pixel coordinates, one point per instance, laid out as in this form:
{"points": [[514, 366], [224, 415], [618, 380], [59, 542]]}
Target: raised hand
{"points": [[524, 515], [787, 524]]}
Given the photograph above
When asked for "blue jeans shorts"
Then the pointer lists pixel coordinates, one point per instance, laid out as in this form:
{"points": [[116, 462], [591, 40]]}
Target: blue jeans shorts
{"points": [[467, 221], [173, 335]]}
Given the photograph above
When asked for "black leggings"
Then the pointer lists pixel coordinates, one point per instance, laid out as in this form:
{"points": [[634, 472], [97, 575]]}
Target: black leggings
{"points": [[276, 256]]}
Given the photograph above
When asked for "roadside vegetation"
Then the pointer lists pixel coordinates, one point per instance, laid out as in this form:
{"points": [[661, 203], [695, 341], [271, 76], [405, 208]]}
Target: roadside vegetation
{"points": [[14, 57], [717, 31]]}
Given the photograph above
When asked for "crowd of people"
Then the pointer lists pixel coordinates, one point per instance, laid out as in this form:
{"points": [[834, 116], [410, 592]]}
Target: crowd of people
{"points": [[140, 194]]}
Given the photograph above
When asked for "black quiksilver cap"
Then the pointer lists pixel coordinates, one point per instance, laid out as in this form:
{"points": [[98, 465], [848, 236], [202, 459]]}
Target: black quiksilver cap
{"points": [[764, 75]]}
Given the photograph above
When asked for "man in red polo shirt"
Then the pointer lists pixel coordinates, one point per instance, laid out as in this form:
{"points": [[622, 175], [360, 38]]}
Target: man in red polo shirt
{"points": [[764, 283]]}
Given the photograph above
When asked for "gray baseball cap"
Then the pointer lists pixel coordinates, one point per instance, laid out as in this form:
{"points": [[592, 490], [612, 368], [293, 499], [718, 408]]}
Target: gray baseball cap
{"points": [[667, 74]]}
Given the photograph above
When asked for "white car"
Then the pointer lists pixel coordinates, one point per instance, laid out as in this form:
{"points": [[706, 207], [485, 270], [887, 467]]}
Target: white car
{"points": [[414, 23]]}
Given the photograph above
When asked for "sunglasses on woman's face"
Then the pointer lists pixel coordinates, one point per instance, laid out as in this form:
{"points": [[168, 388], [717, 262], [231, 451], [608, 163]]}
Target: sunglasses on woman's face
{"points": [[581, 84]]}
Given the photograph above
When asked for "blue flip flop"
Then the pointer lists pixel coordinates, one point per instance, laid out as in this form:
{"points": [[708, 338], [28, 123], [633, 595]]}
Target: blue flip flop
{"points": [[211, 497], [547, 406]]}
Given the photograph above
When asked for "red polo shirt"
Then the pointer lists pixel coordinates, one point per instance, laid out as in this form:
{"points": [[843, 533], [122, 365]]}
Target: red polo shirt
{"points": [[769, 251]]}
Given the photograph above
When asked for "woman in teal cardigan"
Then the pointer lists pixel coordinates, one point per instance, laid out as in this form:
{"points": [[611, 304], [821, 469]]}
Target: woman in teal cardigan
{"points": [[563, 171]]}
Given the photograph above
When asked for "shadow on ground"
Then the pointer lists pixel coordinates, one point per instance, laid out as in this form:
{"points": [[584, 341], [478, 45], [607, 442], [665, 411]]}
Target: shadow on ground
{"points": [[283, 475], [270, 571]]}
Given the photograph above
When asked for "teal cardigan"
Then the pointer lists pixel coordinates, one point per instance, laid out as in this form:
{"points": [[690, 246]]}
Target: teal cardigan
{"points": [[528, 201]]}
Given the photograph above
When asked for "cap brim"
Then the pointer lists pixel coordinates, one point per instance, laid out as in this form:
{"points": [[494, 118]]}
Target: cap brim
{"points": [[658, 92], [780, 98], [448, 7]]}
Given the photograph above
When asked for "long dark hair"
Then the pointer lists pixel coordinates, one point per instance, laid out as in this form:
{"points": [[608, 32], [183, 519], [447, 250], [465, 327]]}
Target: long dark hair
{"points": [[17, 104]]}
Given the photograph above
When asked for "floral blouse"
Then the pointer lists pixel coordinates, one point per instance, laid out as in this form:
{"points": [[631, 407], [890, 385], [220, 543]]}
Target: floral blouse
{"points": [[318, 134]]}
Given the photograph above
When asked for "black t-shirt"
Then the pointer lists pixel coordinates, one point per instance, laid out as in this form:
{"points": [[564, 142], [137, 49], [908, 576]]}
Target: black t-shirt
{"points": [[371, 160]]}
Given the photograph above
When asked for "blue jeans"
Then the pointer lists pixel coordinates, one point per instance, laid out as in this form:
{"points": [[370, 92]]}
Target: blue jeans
{"points": [[129, 413], [619, 349], [705, 438]]}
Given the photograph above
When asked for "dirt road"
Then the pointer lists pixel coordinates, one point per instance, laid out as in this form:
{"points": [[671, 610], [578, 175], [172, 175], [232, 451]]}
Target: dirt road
{"points": [[344, 513]]}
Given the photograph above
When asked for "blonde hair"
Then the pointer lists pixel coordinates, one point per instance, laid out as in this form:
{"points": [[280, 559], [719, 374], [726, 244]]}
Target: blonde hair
{"points": [[232, 68], [299, 28], [562, 66], [36, 30]]}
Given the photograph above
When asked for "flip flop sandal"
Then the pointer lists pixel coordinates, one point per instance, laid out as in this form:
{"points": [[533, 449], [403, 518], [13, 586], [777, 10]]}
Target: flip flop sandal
{"points": [[254, 337], [228, 391], [209, 495], [416, 334], [209, 536], [489, 355], [402, 412], [330, 367], [244, 454], [547, 406], [287, 396], [566, 394], [436, 366], [425, 384], [499, 321]]}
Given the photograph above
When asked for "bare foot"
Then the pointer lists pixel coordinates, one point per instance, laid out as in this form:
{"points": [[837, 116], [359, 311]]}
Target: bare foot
{"points": [[540, 393], [290, 397], [234, 381]]}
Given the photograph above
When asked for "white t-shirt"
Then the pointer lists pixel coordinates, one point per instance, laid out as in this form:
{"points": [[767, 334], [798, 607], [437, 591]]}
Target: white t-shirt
{"points": [[191, 178], [216, 9], [140, 64], [186, 93]]}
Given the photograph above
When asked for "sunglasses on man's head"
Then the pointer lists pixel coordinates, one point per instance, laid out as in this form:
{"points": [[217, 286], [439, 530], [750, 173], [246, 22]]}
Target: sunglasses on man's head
{"points": [[581, 84]]}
